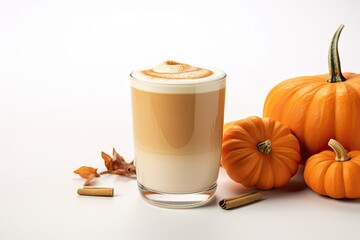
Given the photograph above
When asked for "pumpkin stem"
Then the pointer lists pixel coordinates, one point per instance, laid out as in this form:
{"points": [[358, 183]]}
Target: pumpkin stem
{"points": [[341, 154], [264, 147], [335, 74]]}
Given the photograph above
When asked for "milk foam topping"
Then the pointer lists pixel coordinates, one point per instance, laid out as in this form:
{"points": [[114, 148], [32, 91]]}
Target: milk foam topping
{"points": [[171, 76]]}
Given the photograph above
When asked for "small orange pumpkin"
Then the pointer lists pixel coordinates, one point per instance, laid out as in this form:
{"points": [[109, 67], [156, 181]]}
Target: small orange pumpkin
{"points": [[328, 103], [334, 173], [260, 152]]}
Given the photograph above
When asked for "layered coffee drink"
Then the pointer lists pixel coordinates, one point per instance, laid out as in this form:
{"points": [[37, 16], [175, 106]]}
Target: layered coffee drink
{"points": [[178, 114]]}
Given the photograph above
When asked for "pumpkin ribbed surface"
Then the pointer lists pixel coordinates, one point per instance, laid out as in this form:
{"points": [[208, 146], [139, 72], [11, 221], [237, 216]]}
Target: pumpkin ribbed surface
{"points": [[260, 152], [336, 178], [316, 110]]}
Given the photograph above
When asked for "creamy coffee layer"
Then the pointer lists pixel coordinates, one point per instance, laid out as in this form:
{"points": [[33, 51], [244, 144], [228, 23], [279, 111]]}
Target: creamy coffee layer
{"points": [[178, 123], [171, 173], [190, 79]]}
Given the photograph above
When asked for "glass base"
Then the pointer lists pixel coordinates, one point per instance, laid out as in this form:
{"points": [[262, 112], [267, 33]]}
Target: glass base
{"points": [[177, 200]]}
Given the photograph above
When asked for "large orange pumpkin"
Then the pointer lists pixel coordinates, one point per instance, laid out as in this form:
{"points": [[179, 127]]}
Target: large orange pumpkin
{"points": [[334, 173], [260, 152], [317, 108]]}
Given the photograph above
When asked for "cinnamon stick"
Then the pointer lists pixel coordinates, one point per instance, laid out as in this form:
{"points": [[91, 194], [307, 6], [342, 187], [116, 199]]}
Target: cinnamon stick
{"points": [[94, 191], [240, 200]]}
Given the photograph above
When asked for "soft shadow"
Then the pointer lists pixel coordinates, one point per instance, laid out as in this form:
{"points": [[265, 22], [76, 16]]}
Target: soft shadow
{"points": [[295, 185], [341, 200]]}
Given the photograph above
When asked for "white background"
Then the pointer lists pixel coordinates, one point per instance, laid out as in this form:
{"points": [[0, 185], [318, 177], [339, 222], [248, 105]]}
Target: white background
{"points": [[64, 98]]}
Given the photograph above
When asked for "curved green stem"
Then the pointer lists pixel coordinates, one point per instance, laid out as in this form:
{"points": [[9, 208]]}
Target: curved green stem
{"points": [[264, 147], [335, 74]]}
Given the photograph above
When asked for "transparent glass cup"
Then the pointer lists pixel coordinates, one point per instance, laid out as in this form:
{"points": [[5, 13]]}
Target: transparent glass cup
{"points": [[177, 129]]}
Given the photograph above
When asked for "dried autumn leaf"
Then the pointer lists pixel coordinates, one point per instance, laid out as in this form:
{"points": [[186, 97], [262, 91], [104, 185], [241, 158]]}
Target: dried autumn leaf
{"points": [[122, 164], [90, 178], [115, 165], [121, 172], [131, 168], [86, 172], [108, 161], [118, 165], [118, 160]]}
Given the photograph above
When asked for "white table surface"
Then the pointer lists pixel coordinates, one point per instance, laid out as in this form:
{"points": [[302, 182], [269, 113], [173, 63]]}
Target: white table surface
{"points": [[64, 98]]}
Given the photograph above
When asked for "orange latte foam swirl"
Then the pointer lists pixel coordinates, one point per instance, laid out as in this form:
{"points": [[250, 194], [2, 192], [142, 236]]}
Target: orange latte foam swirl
{"points": [[172, 70]]}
